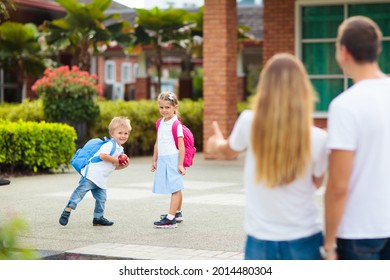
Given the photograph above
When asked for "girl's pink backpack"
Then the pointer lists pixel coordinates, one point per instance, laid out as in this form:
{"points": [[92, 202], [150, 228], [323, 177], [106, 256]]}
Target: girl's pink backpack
{"points": [[189, 141]]}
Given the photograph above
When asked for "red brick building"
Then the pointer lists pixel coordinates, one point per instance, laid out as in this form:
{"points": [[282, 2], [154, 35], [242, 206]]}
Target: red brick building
{"points": [[308, 29]]}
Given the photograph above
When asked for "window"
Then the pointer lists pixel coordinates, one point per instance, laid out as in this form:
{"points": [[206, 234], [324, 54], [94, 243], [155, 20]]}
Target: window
{"points": [[135, 70], [127, 73], [109, 72], [317, 32]]}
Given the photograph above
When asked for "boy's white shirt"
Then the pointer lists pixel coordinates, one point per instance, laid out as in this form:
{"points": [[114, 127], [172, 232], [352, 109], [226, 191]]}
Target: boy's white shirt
{"points": [[166, 143], [98, 172]]}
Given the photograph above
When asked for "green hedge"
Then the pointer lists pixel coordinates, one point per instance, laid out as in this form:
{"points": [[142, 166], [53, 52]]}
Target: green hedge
{"points": [[27, 142], [143, 115], [26, 111], [35, 146]]}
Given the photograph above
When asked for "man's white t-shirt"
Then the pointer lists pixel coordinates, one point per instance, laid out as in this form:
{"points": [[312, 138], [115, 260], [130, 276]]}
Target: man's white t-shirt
{"points": [[359, 121], [284, 212], [98, 172], [166, 143]]}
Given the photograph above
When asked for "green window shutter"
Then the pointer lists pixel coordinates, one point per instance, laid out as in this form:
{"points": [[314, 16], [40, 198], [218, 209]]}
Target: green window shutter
{"points": [[319, 58], [321, 21], [384, 58], [380, 13], [327, 89], [319, 31]]}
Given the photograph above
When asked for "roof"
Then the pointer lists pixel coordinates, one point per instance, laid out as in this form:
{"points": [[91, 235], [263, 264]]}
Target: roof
{"points": [[251, 16], [42, 4]]}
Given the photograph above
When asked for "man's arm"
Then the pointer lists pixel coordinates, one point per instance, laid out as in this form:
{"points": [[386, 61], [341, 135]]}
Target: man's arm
{"points": [[336, 194]]}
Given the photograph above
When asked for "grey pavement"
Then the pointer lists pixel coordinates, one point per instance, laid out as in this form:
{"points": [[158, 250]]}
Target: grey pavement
{"points": [[213, 211]]}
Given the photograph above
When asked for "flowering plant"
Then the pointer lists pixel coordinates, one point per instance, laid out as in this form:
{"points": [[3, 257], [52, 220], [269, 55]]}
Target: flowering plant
{"points": [[65, 82], [68, 94]]}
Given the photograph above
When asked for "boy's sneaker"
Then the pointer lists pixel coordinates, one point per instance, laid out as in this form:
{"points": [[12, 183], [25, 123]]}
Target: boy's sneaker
{"points": [[166, 223], [178, 217], [64, 218], [101, 222]]}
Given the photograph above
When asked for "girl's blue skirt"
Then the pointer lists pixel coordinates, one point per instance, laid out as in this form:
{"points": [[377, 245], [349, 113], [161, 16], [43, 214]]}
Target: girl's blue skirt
{"points": [[167, 178]]}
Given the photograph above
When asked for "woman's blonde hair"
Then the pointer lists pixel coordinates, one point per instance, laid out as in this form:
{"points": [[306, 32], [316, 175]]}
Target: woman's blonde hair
{"points": [[280, 134]]}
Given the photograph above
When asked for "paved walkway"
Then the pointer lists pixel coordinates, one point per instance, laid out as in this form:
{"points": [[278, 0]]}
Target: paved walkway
{"points": [[213, 211]]}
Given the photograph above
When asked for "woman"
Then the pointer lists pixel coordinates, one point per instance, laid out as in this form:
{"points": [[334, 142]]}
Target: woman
{"points": [[285, 163]]}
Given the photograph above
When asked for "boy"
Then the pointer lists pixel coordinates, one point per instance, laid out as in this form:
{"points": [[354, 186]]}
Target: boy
{"points": [[98, 172]]}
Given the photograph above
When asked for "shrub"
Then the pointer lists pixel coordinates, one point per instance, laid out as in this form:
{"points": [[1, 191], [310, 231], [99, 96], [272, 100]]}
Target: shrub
{"points": [[143, 115], [9, 243], [35, 146], [68, 94], [26, 111]]}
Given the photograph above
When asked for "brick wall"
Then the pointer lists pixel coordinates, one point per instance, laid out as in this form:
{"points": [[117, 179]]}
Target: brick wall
{"points": [[278, 27], [279, 33], [220, 66]]}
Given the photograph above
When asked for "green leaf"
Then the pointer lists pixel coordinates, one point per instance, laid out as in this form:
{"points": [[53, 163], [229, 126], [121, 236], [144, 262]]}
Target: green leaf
{"points": [[102, 5], [70, 5]]}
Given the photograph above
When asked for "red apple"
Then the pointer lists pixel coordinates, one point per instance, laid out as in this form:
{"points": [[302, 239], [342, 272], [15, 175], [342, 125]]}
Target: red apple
{"points": [[122, 158]]}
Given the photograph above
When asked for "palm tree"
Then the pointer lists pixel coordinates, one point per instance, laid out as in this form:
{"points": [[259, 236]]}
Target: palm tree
{"points": [[160, 28], [86, 31], [5, 6], [20, 51]]}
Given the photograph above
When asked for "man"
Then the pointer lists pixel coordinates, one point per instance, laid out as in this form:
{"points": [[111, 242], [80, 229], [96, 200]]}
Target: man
{"points": [[357, 197]]}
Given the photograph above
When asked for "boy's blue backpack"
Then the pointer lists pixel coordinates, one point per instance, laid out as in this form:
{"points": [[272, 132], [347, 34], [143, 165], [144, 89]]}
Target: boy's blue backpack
{"points": [[84, 155]]}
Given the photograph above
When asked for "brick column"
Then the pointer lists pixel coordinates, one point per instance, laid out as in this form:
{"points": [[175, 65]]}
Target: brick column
{"points": [[278, 26], [142, 88], [220, 66], [241, 87], [185, 87]]}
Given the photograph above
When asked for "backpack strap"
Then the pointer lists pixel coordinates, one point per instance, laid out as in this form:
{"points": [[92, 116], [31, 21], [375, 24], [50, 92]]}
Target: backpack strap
{"points": [[158, 122], [174, 132], [113, 147], [97, 158]]}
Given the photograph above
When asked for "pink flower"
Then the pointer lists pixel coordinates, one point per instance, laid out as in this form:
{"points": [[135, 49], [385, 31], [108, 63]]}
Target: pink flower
{"points": [[67, 81]]}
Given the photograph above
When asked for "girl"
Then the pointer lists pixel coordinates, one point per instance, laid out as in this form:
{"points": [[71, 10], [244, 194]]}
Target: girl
{"points": [[168, 160], [286, 160]]}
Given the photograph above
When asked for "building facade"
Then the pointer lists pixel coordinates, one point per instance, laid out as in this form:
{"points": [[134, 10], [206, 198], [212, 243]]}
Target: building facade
{"points": [[308, 29]]}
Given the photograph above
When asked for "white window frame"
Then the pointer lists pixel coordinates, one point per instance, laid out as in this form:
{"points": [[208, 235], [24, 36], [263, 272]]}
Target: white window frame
{"points": [[126, 68], [135, 71], [109, 72], [298, 31]]}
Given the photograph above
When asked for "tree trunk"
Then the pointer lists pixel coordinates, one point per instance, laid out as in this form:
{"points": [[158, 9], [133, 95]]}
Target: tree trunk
{"points": [[158, 67], [82, 58]]}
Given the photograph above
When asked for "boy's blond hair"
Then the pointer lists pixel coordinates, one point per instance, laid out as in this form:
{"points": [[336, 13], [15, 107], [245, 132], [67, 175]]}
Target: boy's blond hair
{"points": [[119, 122], [280, 134]]}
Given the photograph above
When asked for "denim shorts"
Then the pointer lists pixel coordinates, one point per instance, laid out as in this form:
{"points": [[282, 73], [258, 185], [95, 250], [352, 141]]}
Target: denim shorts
{"points": [[306, 248], [363, 249]]}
